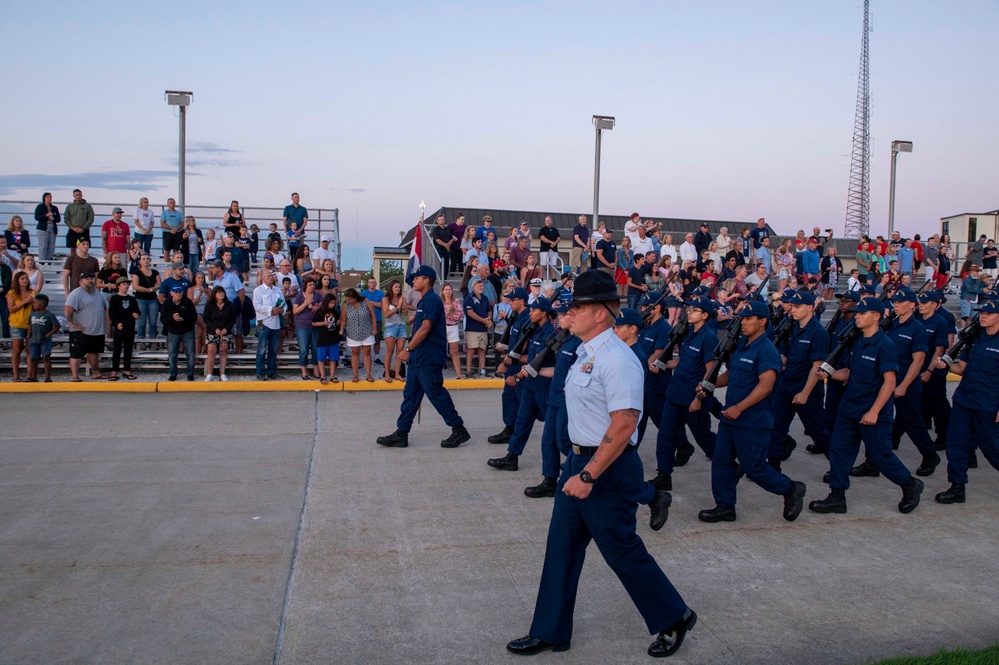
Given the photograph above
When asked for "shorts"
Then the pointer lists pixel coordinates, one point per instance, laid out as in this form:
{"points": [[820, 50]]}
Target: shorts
{"points": [[329, 354], [80, 344], [476, 340], [19, 333], [38, 350], [453, 337], [171, 241], [367, 341], [967, 309], [219, 339], [397, 330], [782, 273]]}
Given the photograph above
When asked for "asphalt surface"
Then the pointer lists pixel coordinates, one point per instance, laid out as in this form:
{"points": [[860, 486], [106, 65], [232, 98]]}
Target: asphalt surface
{"points": [[268, 527]]}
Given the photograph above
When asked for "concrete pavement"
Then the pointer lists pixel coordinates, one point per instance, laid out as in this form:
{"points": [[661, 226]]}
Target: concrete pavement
{"points": [[127, 534]]}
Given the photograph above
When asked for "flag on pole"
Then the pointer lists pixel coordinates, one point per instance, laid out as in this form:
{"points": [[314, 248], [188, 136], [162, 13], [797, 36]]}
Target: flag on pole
{"points": [[416, 250]]}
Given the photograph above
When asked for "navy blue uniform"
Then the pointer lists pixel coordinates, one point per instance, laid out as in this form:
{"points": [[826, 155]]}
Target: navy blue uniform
{"points": [[425, 369], [976, 402], [936, 405], [909, 338], [871, 358], [511, 394], [534, 404], [834, 388], [804, 347], [606, 377], [747, 438], [695, 352], [556, 431], [654, 338]]}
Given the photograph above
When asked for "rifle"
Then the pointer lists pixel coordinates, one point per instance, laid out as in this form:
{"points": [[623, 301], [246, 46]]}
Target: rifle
{"points": [[504, 342], [521, 347], [552, 345], [887, 321], [966, 337], [676, 336], [851, 333], [723, 353]]}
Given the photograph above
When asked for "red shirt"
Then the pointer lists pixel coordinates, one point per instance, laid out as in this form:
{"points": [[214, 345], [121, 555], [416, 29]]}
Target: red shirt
{"points": [[117, 234], [917, 250]]}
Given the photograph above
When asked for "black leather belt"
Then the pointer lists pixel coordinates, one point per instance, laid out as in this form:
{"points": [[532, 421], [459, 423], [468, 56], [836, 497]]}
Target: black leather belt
{"points": [[585, 451]]}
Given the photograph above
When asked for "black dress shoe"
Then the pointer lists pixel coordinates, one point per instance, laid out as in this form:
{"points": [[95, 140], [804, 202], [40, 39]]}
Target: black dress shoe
{"points": [[834, 503], [660, 509], [816, 449], [910, 496], [953, 495], [528, 646], [794, 501], [459, 435], [972, 460], [717, 514], [502, 437], [683, 454], [545, 489], [663, 481], [506, 463], [670, 640], [825, 477], [397, 439], [789, 445], [865, 470], [941, 445], [929, 465]]}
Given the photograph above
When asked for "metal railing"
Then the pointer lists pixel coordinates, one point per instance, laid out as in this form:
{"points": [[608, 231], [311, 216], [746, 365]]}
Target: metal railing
{"points": [[322, 221]]}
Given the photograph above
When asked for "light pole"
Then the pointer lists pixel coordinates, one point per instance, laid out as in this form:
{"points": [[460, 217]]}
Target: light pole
{"points": [[896, 147], [601, 122], [182, 100]]}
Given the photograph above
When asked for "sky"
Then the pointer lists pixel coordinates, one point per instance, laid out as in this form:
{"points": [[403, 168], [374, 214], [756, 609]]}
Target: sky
{"points": [[725, 109]]}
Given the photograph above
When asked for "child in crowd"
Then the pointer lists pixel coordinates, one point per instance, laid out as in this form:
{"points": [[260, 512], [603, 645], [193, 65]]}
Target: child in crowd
{"points": [[326, 321], [273, 234], [211, 244], [254, 243], [123, 312], [243, 242], [293, 238], [43, 325], [853, 284]]}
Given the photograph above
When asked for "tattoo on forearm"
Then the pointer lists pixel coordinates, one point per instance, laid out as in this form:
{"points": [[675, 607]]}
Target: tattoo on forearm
{"points": [[630, 413], [606, 439]]}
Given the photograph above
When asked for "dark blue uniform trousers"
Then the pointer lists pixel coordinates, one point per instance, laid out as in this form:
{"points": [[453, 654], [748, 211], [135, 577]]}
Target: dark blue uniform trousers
{"points": [[845, 446], [533, 406], [608, 518], [671, 434], [558, 417], [550, 440], [834, 395], [511, 399], [936, 406], [749, 446], [426, 380], [653, 408], [811, 413], [909, 420], [970, 427]]}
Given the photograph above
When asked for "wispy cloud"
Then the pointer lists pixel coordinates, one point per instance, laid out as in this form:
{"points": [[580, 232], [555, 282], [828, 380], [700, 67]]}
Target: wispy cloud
{"points": [[209, 148], [135, 181], [212, 162], [352, 190]]}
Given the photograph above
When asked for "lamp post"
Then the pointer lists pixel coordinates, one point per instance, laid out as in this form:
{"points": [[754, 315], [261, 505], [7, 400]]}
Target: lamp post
{"points": [[182, 100], [896, 147], [601, 122]]}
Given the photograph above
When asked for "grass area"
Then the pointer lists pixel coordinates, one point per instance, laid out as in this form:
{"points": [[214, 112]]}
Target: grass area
{"points": [[988, 656]]}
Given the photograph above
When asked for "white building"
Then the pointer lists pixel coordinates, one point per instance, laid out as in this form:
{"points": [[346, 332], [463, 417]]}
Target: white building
{"points": [[966, 227]]}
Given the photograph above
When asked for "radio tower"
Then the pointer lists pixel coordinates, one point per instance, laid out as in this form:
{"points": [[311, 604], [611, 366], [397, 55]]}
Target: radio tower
{"points": [[858, 200]]}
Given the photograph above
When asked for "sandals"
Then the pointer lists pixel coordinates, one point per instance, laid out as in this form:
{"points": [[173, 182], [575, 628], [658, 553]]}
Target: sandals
{"points": [[370, 380], [76, 380], [324, 381], [112, 377], [130, 376], [335, 380], [100, 377]]}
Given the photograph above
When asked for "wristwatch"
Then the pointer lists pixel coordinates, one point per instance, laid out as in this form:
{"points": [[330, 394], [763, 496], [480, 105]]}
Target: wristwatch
{"points": [[585, 476]]}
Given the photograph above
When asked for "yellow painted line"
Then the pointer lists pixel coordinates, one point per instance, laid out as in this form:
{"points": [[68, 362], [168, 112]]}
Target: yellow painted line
{"points": [[185, 386], [85, 386]]}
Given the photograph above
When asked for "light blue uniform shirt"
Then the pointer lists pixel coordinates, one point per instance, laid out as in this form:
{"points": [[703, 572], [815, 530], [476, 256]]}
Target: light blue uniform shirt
{"points": [[606, 377]]}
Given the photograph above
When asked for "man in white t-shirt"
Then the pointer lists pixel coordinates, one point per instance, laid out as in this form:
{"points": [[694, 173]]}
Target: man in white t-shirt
{"points": [[643, 243], [323, 252], [631, 227], [687, 250]]}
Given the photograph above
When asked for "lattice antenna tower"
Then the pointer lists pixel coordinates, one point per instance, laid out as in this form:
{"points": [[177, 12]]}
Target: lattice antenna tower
{"points": [[858, 201]]}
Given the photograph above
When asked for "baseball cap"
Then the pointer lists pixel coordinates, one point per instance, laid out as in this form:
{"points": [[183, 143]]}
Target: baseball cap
{"points": [[802, 298], [87, 275], [422, 271], [116, 209], [177, 265], [989, 307], [755, 308], [541, 303], [176, 288], [702, 303], [562, 304], [929, 296], [870, 305], [905, 295], [849, 295], [326, 239], [787, 295], [519, 293], [648, 300], [628, 317]]}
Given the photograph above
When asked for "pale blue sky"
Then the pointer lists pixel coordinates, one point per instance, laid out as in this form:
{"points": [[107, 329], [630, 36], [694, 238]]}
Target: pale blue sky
{"points": [[726, 110]]}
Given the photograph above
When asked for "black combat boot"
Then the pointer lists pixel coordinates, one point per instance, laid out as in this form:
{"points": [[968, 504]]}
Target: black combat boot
{"points": [[397, 439], [834, 503]]}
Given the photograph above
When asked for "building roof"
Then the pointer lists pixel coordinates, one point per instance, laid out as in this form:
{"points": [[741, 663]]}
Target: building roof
{"points": [[991, 213]]}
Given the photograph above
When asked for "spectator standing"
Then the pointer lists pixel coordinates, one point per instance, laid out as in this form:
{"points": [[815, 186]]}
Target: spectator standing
{"points": [[578, 254], [146, 284], [326, 322], [758, 282], [254, 235], [123, 312], [44, 325], [976, 251], [172, 223], [530, 270], [453, 313], [931, 259], [192, 245], [549, 237], [605, 252], [304, 308], [669, 249], [478, 322], [324, 253], [107, 278], [759, 233], [687, 250], [631, 227], [236, 294], [724, 241], [821, 240], [178, 316], [443, 240], [233, 220], [702, 240], [176, 277], [501, 319], [636, 280], [989, 256], [519, 254], [808, 261], [830, 270], [144, 221], [35, 275], [76, 264], [866, 260], [20, 300], [511, 240], [199, 293], [625, 261], [918, 253], [458, 230], [357, 324], [6, 279], [524, 231], [211, 245], [18, 238], [86, 313], [375, 296], [906, 257], [304, 265], [643, 243], [47, 220], [269, 305], [785, 264], [115, 233], [220, 318], [79, 218], [483, 231], [395, 328], [763, 254], [296, 214], [971, 287]]}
